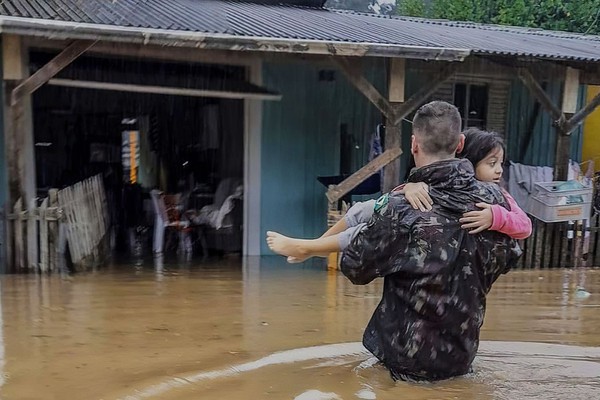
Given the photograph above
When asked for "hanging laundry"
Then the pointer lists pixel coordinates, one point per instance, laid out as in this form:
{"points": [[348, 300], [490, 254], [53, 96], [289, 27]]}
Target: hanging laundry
{"points": [[522, 180]]}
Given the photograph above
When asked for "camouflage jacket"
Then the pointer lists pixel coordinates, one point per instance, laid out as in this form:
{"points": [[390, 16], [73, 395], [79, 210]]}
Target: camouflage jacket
{"points": [[436, 274]]}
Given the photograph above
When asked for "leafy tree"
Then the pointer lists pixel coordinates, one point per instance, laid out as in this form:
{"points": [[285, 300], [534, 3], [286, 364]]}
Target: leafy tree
{"points": [[565, 15], [411, 8]]}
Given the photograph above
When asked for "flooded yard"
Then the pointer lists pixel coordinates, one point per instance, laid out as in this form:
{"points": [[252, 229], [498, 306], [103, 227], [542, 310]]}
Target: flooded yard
{"points": [[260, 328]]}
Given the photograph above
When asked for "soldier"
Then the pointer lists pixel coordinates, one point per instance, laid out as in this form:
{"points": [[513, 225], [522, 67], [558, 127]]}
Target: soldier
{"points": [[436, 274]]}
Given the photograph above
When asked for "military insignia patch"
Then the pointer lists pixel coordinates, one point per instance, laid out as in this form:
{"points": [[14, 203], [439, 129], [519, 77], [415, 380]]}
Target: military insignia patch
{"points": [[381, 203]]}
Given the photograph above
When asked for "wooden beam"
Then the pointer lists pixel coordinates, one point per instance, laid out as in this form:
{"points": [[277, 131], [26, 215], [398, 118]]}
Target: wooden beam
{"points": [[539, 93], [355, 76], [583, 113], [336, 192], [423, 94], [53, 67], [165, 90]]}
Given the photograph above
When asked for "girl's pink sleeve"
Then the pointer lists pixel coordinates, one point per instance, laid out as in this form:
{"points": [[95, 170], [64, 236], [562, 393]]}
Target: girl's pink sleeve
{"points": [[514, 223]]}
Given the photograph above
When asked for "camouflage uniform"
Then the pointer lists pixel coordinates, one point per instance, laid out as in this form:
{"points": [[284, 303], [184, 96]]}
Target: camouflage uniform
{"points": [[436, 275]]}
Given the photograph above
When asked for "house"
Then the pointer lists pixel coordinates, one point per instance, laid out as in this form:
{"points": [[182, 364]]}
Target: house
{"points": [[297, 90]]}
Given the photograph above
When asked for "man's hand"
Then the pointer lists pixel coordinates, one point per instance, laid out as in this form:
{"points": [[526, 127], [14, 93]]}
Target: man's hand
{"points": [[417, 195], [478, 221]]}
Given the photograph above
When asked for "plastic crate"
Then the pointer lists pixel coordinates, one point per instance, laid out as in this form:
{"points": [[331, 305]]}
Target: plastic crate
{"points": [[551, 203]]}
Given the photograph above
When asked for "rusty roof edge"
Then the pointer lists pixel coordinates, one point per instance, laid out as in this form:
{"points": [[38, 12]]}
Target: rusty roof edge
{"points": [[64, 30]]}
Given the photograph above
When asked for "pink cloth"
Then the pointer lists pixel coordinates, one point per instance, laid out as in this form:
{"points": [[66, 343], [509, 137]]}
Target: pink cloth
{"points": [[514, 223]]}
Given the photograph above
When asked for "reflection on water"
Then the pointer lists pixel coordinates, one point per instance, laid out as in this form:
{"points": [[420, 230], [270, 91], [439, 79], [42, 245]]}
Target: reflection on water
{"points": [[185, 330]]}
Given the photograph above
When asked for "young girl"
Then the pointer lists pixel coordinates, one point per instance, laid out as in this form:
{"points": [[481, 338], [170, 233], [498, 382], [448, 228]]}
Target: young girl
{"points": [[484, 149]]}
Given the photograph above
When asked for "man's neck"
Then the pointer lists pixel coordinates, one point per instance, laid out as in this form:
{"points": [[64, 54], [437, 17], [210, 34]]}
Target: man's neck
{"points": [[425, 160]]}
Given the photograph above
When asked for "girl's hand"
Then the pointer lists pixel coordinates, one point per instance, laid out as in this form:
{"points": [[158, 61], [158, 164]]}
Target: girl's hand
{"points": [[417, 195], [478, 221]]}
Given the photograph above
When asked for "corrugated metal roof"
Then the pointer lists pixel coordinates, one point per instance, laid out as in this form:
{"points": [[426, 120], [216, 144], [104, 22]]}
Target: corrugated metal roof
{"points": [[266, 20]]}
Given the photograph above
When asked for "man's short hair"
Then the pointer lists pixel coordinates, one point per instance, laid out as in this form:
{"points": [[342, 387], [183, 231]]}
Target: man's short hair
{"points": [[437, 126]]}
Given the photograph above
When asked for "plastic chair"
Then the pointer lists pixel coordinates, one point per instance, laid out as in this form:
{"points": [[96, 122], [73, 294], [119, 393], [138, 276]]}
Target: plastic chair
{"points": [[168, 215]]}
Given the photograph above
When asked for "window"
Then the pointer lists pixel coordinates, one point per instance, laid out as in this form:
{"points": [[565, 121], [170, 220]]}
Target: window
{"points": [[472, 101]]}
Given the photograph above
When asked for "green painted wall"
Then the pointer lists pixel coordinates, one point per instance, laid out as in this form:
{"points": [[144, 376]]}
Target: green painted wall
{"points": [[541, 147], [301, 140]]}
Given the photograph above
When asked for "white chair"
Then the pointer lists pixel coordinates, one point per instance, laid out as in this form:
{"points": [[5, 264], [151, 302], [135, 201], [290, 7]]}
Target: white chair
{"points": [[167, 216]]}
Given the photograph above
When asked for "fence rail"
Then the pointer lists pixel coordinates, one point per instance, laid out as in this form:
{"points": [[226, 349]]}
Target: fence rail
{"points": [[39, 233]]}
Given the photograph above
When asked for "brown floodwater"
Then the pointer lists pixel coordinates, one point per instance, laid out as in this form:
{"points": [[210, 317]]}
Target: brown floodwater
{"points": [[262, 329]]}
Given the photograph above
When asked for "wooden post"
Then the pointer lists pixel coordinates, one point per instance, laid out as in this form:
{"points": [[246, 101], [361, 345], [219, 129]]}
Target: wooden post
{"points": [[417, 99], [53, 232], [32, 236], [19, 245], [67, 226], [20, 153], [9, 242], [393, 134], [563, 139], [91, 194], [19, 126], [61, 249], [101, 224], [81, 222], [14, 70], [44, 264], [397, 80]]}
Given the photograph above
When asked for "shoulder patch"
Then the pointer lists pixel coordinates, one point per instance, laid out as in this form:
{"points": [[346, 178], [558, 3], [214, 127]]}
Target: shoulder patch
{"points": [[381, 203]]}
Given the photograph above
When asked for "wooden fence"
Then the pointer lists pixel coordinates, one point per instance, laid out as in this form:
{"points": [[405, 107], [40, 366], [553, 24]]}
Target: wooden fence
{"points": [[39, 233], [563, 244]]}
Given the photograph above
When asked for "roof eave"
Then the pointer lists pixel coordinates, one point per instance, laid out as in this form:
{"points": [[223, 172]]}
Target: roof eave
{"points": [[62, 30]]}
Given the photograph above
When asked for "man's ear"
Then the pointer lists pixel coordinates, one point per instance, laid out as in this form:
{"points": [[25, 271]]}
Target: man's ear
{"points": [[414, 146], [461, 144]]}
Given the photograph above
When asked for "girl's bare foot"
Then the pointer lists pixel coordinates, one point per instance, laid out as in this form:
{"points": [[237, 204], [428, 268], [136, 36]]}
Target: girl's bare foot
{"points": [[285, 246]]}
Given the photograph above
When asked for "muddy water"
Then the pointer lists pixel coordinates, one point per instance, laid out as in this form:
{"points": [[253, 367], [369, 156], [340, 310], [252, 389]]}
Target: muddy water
{"points": [[264, 329]]}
